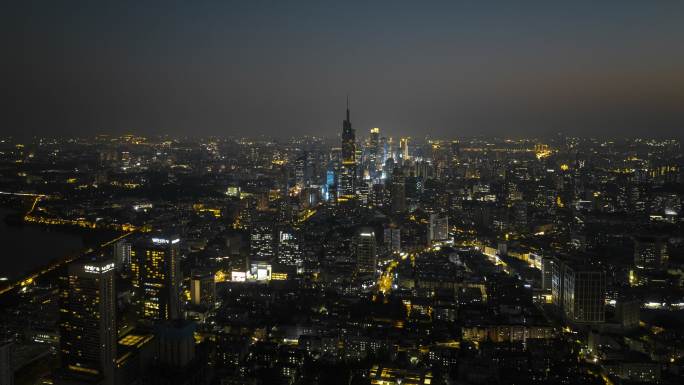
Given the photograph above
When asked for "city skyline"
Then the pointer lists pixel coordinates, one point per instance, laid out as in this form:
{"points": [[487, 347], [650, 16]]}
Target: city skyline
{"points": [[342, 193]]}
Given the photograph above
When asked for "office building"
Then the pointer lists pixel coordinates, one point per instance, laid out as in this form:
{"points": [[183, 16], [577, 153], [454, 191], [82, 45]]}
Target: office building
{"points": [[439, 228], [261, 242], [650, 252], [365, 248], [122, 254], [202, 288], [584, 294], [404, 149], [627, 312], [392, 239], [557, 282], [547, 264], [289, 252], [88, 321], [374, 153], [157, 277], [398, 191]]}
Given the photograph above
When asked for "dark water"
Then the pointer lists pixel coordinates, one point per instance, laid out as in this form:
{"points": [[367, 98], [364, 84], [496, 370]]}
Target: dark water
{"points": [[28, 247]]}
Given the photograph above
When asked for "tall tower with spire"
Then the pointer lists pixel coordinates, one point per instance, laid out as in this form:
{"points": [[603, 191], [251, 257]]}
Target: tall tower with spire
{"points": [[347, 176]]}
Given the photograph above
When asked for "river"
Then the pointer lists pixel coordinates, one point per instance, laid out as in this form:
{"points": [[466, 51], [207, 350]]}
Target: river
{"points": [[26, 248]]}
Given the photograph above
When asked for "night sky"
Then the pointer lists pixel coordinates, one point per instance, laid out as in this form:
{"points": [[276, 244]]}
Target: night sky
{"points": [[284, 68]]}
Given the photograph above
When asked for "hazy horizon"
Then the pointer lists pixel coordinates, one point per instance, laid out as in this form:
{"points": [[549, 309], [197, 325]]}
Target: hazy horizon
{"points": [[284, 69]]}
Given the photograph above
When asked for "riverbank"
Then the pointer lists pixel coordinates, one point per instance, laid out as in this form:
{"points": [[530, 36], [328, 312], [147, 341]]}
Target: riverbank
{"points": [[30, 247]]}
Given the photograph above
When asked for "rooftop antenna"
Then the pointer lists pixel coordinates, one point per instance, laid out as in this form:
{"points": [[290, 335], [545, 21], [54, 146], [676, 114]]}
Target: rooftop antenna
{"points": [[347, 107]]}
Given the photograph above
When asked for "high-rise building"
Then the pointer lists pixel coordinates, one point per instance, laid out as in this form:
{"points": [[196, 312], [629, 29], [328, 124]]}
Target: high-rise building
{"points": [[584, 293], [520, 210], [378, 197], [557, 282], [122, 254], [392, 239], [202, 288], [175, 343], [627, 312], [261, 243], [347, 176], [363, 191], [88, 320], [650, 252], [547, 272], [157, 277], [365, 248], [374, 153], [398, 191], [302, 170], [289, 252], [404, 149], [178, 358], [439, 228], [455, 151]]}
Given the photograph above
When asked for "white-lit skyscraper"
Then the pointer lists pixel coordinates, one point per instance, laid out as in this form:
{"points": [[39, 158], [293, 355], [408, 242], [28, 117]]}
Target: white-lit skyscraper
{"points": [[365, 248], [289, 252], [261, 242]]}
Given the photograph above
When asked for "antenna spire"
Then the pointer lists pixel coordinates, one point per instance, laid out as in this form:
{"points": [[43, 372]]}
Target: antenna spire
{"points": [[347, 107]]}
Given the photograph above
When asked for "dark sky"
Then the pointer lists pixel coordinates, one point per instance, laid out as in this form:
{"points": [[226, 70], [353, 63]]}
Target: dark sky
{"points": [[284, 67]]}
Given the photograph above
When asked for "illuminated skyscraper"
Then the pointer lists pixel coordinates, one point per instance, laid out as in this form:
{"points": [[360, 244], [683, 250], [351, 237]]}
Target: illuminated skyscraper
{"points": [[88, 321], [403, 149], [261, 242], [365, 249], [289, 253], [157, 277], [302, 170], [347, 175], [374, 153]]}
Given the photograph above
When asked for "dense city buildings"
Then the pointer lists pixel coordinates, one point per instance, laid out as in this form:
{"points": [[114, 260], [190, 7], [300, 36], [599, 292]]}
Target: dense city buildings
{"points": [[459, 254], [180, 205], [244, 261], [374, 260]]}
